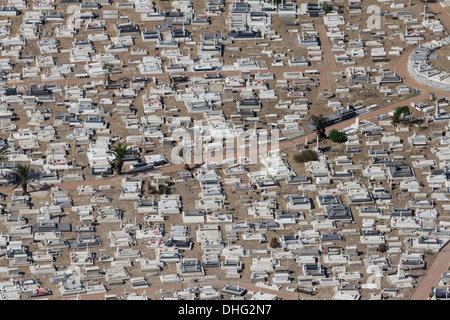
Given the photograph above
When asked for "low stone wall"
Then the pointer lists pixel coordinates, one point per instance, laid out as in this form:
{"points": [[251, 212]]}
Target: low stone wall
{"points": [[426, 81]]}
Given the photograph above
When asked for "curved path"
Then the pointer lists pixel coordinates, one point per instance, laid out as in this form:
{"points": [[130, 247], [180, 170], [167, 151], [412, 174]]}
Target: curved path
{"points": [[441, 262], [431, 279], [401, 66]]}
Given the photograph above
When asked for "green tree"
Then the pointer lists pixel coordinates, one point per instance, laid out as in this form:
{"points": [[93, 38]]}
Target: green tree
{"points": [[108, 69], [119, 151], [319, 122], [337, 136], [24, 173], [327, 7], [305, 156], [399, 112]]}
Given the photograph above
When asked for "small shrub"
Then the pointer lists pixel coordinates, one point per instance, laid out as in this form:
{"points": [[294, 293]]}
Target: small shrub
{"points": [[162, 189], [151, 189], [327, 7], [274, 243], [305, 156], [337, 136]]}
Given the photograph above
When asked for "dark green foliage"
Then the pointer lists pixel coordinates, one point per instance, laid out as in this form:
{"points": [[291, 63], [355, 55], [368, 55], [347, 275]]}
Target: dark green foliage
{"points": [[162, 189], [305, 156], [24, 173], [327, 7], [319, 122], [400, 111], [119, 152], [337, 136], [108, 67]]}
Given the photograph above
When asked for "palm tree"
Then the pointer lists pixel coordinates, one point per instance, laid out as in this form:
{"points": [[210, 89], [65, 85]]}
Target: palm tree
{"points": [[24, 173], [319, 122], [3, 151], [119, 151], [108, 67]]}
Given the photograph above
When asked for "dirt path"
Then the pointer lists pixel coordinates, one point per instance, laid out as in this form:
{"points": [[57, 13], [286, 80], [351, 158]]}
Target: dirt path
{"points": [[180, 167], [433, 275], [325, 43]]}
